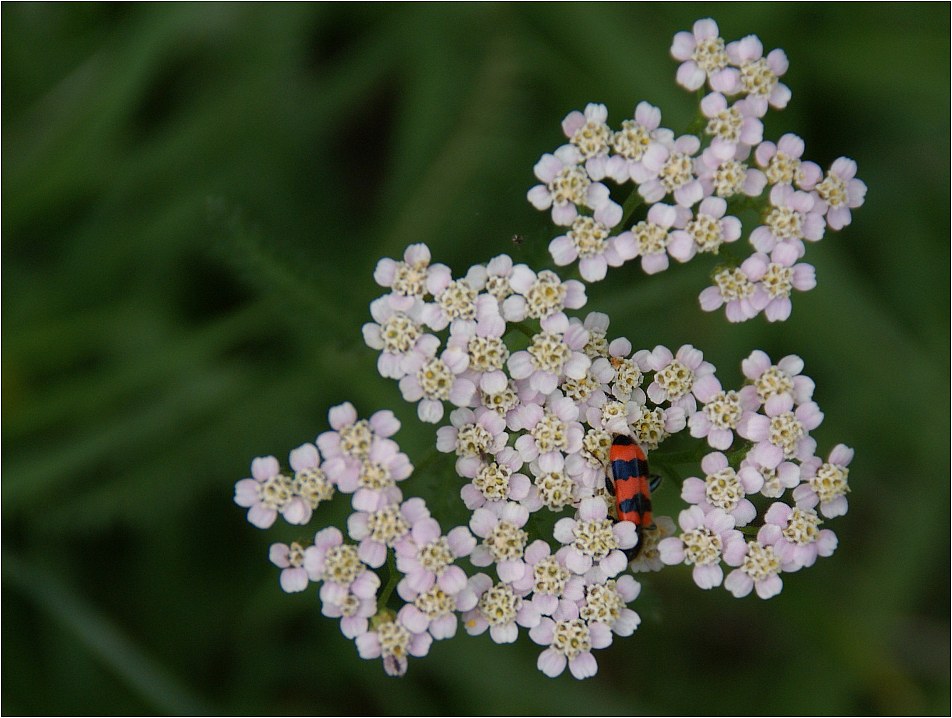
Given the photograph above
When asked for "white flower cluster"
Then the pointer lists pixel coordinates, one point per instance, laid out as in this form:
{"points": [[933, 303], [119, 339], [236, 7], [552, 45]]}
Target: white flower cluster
{"points": [[538, 397], [357, 457], [775, 413], [692, 184]]}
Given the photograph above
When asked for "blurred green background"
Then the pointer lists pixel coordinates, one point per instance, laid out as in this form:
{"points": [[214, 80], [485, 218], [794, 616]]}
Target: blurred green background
{"points": [[194, 198]]}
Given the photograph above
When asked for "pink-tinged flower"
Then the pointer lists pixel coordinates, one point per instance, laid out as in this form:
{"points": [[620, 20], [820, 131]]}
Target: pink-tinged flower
{"points": [[775, 481], [678, 377], [498, 608], [759, 75], [606, 603], [290, 559], [615, 417], [349, 443], [433, 608], [720, 414], [498, 480], [565, 185], [548, 579], [483, 343], [590, 242], [309, 487], [632, 141], [826, 483], [354, 613], [392, 641], [779, 276], [266, 493], [706, 232], [727, 177], [554, 353], [784, 377], [551, 431], [703, 58], [656, 425], [426, 557], [504, 540], [733, 288], [382, 423], [407, 279], [782, 163], [394, 334], [477, 276], [759, 570], [783, 433], [792, 219], [706, 539], [589, 132], [498, 271], [626, 384], [557, 481], [339, 566], [506, 402], [731, 126], [669, 168], [454, 300], [472, 435], [723, 488], [840, 192], [649, 558], [796, 536], [383, 527], [432, 611], [596, 324], [651, 236], [569, 640], [431, 380], [378, 474], [594, 543], [589, 392], [541, 296]]}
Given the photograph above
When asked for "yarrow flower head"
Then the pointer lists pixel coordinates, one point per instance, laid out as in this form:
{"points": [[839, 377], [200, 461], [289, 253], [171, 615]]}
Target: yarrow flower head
{"points": [[840, 192], [825, 483], [290, 559], [566, 186], [406, 279], [723, 488], [432, 379], [759, 570], [782, 163], [426, 557], [266, 494], [706, 540], [570, 642], [703, 58], [550, 427], [500, 609], [393, 642], [594, 541]]}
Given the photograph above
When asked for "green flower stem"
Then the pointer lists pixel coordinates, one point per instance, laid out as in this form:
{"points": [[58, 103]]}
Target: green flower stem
{"points": [[738, 453], [749, 530], [524, 328], [393, 577], [632, 203], [699, 123], [728, 256], [694, 456]]}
